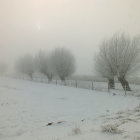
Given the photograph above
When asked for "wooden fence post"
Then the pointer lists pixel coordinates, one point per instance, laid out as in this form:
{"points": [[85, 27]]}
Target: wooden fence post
{"points": [[125, 89], [92, 86], [65, 83], [108, 87], [76, 83]]}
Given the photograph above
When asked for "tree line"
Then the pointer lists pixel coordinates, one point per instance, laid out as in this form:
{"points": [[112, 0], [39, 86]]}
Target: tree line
{"points": [[61, 63], [118, 56]]}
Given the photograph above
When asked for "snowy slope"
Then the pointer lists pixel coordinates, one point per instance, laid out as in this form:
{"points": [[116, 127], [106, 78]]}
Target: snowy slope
{"points": [[27, 107]]}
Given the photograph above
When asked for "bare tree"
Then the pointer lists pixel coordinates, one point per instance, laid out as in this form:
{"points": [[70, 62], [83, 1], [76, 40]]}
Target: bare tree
{"points": [[26, 65], [103, 65], [63, 63], [43, 64], [3, 68], [124, 55], [120, 56]]}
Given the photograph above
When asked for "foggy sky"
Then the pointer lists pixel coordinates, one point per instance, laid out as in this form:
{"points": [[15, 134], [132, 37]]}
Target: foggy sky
{"points": [[26, 26]]}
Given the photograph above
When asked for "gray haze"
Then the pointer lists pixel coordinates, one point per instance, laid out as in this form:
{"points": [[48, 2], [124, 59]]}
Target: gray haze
{"points": [[26, 26]]}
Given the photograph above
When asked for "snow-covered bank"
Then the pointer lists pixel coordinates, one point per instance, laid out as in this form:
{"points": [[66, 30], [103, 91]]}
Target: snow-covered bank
{"points": [[27, 107]]}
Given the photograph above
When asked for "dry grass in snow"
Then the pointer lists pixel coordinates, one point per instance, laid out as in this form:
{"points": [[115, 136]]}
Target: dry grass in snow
{"points": [[111, 128]]}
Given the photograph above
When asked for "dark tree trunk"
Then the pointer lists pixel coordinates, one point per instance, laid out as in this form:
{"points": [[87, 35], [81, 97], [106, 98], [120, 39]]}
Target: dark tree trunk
{"points": [[111, 83], [31, 75], [124, 83], [50, 77], [49, 80], [63, 80]]}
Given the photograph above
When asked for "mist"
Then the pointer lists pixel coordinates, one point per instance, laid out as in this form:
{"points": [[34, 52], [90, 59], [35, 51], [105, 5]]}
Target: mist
{"points": [[69, 69], [27, 26]]}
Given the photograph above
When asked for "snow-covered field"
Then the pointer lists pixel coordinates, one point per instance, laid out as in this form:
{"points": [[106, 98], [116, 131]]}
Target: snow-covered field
{"points": [[27, 107]]}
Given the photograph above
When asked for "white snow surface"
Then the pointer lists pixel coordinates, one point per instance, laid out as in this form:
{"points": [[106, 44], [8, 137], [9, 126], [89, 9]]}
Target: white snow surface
{"points": [[27, 107]]}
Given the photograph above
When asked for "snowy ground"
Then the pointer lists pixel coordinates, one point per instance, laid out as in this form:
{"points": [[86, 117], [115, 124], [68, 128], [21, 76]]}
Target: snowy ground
{"points": [[76, 114]]}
